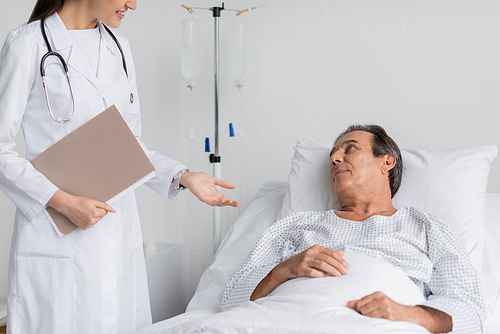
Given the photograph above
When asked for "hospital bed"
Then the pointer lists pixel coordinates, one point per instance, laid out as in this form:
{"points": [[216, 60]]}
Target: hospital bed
{"points": [[450, 184]]}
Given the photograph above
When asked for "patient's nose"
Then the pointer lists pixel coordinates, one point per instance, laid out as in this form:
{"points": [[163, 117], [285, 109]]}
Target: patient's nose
{"points": [[336, 158]]}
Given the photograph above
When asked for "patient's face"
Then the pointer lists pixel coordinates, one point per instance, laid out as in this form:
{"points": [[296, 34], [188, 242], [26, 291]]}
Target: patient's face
{"points": [[354, 168]]}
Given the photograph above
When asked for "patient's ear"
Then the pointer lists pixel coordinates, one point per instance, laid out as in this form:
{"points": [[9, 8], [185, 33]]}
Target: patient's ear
{"points": [[389, 163]]}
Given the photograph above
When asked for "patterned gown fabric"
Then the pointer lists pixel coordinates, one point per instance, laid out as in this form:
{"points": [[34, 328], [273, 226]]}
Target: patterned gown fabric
{"points": [[426, 248]]}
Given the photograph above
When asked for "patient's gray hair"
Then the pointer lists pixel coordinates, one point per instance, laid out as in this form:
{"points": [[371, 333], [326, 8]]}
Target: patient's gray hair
{"points": [[382, 144]]}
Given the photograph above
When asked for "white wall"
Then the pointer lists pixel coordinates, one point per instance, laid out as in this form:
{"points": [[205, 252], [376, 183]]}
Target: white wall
{"points": [[428, 71]]}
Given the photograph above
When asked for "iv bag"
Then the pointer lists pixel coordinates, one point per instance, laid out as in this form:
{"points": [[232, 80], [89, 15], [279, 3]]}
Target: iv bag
{"points": [[238, 51], [191, 48]]}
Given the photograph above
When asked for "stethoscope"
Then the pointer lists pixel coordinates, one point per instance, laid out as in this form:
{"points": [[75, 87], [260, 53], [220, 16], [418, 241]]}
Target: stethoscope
{"points": [[65, 66]]}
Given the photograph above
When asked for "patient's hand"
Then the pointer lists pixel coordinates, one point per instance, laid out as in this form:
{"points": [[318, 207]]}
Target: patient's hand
{"points": [[316, 262], [378, 305]]}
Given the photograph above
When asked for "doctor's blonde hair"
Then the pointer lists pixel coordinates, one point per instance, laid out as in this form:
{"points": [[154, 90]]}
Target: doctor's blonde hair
{"points": [[44, 9]]}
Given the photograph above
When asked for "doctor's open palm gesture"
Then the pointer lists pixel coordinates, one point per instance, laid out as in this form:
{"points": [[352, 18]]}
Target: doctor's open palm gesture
{"points": [[202, 185]]}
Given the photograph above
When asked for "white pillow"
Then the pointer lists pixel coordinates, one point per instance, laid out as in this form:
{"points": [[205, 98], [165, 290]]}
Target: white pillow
{"points": [[450, 184]]}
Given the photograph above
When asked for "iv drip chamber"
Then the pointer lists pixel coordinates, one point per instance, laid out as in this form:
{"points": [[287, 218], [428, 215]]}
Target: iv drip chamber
{"points": [[191, 48], [238, 51]]}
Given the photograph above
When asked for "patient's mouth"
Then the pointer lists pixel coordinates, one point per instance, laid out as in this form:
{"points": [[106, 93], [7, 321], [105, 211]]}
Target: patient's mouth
{"points": [[339, 171]]}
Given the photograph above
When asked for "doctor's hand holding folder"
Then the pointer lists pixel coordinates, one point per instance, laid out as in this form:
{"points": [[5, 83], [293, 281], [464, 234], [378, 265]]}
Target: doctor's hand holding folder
{"points": [[97, 164]]}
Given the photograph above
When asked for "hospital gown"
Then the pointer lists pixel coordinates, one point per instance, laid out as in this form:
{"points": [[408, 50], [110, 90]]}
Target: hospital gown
{"points": [[426, 248]]}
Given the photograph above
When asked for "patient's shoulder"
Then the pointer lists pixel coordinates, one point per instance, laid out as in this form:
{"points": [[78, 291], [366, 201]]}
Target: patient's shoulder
{"points": [[420, 214], [429, 220]]}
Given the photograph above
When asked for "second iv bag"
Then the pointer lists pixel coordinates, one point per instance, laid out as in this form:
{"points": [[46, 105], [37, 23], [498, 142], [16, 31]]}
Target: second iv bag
{"points": [[191, 48], [238, 51]]}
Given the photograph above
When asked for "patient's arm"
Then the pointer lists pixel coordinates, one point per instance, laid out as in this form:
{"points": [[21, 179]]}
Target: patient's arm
{"points": [[378, 305], [316, 261]]}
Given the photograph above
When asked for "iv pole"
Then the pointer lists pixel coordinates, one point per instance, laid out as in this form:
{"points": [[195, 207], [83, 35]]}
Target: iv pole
{"points": [[214, 158]]}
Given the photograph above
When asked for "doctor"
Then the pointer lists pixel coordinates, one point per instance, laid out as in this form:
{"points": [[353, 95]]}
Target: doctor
{"points": [[92, 280]]}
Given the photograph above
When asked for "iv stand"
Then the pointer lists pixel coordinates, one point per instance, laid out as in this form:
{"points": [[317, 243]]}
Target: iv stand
{"points": [[215, 159]]}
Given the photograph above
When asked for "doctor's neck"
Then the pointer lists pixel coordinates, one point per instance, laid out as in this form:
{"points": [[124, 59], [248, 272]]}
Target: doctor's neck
{"points": [[76, 15]]}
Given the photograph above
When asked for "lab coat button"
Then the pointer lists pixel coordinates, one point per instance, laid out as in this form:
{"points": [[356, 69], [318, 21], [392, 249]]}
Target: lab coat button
{"points": [[131, 98]]}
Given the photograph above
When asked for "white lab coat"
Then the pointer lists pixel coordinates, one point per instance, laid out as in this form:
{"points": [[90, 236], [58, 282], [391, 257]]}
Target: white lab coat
{"points": [[90, 281]]}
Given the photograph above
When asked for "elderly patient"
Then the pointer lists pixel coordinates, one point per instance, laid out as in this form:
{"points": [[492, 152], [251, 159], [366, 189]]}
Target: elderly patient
{"points": [[366, 170]]}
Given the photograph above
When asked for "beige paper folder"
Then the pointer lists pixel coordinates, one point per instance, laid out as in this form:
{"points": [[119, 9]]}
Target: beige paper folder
{"points": [[101, 160]]}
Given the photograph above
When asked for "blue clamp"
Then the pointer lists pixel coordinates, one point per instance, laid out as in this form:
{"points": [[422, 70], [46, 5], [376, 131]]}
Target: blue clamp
{"points": [[207, 144]]}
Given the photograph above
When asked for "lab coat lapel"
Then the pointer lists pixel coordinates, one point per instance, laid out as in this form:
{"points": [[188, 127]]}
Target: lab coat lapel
{"points": [[115, 87], [109, 56], [63, 43], [58, 35]]}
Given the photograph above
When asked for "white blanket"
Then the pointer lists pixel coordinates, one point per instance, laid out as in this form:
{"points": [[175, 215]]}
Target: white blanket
{"points": [[311, 305]]}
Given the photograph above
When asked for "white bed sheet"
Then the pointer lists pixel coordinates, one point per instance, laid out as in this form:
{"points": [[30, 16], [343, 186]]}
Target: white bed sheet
{"points": [[306, 305], [203, 313]]}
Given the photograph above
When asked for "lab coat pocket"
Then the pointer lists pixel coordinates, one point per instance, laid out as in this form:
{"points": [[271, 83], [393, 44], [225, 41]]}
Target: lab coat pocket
{"points": [[44, 288], [41, 240]]}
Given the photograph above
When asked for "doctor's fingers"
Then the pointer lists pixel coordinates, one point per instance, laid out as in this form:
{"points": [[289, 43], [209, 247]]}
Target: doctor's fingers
{"points": [[89, 222], [86, 212], [189, 179], [228, 202], [224, 184], [104, 206], [221, 200], [92, 218]]}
